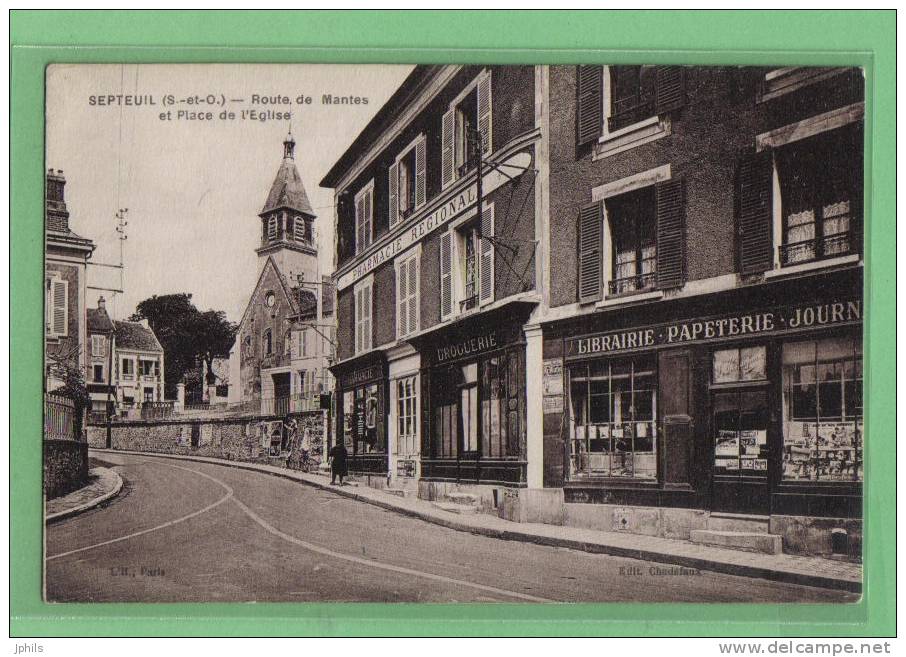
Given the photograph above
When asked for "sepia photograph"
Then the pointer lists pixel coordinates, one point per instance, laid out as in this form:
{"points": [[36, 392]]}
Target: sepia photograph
{"points": [[453, 333]]}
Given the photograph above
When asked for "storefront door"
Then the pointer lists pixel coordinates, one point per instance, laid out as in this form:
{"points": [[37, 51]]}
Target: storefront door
{"points": [[740, 423]]}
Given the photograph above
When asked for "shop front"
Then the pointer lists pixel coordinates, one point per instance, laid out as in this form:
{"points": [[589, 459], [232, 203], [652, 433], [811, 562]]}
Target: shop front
{"points": [[473, 404], [735, 407], [362, 415]]}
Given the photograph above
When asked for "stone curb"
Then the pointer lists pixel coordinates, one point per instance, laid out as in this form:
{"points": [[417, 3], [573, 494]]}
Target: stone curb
{"points": [[97, 501], [701, 563]]}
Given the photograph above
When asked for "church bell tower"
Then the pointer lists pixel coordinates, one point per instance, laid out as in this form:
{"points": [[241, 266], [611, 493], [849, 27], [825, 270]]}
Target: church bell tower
{"points": [[287, 222]]}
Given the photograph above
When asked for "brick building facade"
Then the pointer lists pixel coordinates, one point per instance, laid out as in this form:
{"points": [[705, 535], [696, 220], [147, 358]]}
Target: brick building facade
{"points": [[654, 326]]}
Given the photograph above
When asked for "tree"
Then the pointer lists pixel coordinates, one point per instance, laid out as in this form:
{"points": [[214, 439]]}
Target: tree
{"points": [[213, 336], [186, 334]]}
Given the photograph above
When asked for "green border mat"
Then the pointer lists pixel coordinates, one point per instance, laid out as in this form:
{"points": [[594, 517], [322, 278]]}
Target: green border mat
{"points": [[861, 38]]}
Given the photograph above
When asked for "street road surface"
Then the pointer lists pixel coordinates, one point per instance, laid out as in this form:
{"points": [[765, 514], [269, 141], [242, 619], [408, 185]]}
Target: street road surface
{"points": [[187, 531]]}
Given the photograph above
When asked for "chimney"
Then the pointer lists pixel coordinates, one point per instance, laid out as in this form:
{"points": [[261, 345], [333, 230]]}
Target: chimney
{"points": [[56, 214], [102, 304]]}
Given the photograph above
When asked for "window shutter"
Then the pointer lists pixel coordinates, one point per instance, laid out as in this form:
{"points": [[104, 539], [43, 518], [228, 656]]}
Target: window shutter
{"points": [[484, 112], [60, 289], [448, 134], [413, 294], [671, 233], [671, 89], [486, 264], [591, 226], [402, 291], [358, 321], [589, 106], [420, 191], [368, 209], [359, 224], [366, 303], [446, 275], [393, 195], [756, 244]]}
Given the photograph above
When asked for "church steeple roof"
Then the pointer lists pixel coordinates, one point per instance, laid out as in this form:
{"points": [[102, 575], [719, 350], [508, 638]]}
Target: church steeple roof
{"points": [[287, 191]]}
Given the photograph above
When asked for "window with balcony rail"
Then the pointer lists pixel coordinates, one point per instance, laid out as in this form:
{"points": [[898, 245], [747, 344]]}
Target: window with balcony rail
{"points": [[632, 95], [820, 190], [633, 230], [470, 269]]}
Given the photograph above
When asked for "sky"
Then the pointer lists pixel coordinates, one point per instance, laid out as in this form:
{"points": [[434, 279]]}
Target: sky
{"points": [[194, 188]]}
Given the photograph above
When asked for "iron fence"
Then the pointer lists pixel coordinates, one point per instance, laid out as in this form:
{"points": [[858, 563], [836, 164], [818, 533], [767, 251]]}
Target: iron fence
{"points": [[59, 418]]}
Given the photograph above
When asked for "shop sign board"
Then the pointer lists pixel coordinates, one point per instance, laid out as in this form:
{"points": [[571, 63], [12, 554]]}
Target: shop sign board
{"points": [[725, 327], [460, 203], [405, 468], [363, 375]]}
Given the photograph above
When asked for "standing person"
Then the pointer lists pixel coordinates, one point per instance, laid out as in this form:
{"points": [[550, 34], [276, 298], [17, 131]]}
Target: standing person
{"points": [[338, 463]]}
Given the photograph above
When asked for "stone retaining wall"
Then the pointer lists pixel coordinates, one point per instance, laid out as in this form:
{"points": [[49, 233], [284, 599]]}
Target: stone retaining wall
{"points": [[65, 466], [244, 438]]}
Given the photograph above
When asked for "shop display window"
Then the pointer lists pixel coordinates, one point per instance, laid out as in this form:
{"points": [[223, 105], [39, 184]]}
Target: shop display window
{"points": [[362, 427], [613, 415], [822, 410], [741, 419], [478, 406]]}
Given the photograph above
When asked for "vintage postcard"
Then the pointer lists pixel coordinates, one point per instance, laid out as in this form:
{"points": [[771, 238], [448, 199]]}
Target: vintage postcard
{"points": [[437, 333]]}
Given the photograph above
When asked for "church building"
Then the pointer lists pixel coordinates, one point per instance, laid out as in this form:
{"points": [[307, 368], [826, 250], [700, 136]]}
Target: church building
{"points": [[286, 336]]}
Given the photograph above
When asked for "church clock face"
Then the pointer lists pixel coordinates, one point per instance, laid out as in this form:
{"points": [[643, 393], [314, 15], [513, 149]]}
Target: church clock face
{"points": [[270, 299]]}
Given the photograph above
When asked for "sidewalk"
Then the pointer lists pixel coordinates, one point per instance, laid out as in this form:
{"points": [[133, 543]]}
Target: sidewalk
{"points": [[103, 484], [788, 568]]}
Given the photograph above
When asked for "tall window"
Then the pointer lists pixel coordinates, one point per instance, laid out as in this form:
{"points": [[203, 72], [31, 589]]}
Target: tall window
{"points": [[267, 341], [406, 187], [363, 303], [127, 368], [633, 230], [613, 418], [466, 123], [820, 179], [822, 425], [407, 295], [364, 214], [632, 95], [407, 415], [288, 343], [98, 373], [468, 407], [469, 241], [98, 345]]}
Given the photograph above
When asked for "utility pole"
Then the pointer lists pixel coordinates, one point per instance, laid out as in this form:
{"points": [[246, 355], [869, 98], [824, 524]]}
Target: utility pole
{"points": [[476, 147], [121, 224]]}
